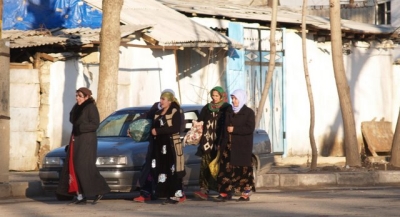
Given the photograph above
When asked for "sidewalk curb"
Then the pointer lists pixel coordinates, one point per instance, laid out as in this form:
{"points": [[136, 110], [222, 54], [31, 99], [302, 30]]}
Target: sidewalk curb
{"points": [[21, 189], [339, 179]]}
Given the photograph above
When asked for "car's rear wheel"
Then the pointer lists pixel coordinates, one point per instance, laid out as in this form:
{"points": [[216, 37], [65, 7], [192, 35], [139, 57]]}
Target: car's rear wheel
{"points": [[63, 197]]}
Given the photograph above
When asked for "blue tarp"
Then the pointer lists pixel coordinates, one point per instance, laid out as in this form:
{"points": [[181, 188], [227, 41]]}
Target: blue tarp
{"points": [[49, 14]]}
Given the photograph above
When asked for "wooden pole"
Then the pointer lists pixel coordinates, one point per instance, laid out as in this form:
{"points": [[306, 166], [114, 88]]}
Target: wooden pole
{"points": [[4, 111], [1, 18]]}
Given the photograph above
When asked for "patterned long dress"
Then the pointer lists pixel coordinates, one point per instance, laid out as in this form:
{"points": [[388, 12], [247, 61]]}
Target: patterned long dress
{"points": [[234, 180]]}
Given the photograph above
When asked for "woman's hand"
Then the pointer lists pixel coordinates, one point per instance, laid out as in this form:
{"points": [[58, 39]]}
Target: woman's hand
{"points": [[230, 129], [128, 133], [154, 132]]}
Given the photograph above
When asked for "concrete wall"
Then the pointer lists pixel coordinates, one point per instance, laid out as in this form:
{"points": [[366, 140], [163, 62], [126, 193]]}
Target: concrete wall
{"points": [[395, 13], [24, 113], [372, 83]]}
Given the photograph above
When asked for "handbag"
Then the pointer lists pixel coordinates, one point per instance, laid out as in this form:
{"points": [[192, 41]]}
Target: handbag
{"points": [[214, 166], [193, 136]]}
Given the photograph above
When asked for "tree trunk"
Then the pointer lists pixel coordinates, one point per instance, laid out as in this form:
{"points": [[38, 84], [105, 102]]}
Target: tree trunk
{"points": [[395, 154], [314, 151], [271, 65], [271, 2], [350, 136], [110, 37]]}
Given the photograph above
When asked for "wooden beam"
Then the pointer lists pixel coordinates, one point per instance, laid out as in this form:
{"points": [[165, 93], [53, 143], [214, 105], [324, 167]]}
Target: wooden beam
{"points": [[21, 66], [46, 57], [149, 39]]}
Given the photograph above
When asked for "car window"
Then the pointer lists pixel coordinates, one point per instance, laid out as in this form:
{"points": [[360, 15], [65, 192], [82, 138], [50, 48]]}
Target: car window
{"points": [[118, 124], [189, 117]]}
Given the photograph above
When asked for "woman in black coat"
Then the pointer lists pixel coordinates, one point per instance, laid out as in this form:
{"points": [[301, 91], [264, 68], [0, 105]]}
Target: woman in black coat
{"points": [[80, 175], [236, 171], [167, 159], [146, 182]]}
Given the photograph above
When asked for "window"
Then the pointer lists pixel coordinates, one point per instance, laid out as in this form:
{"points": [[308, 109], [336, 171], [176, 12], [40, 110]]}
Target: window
{"points": [[189, 117], [117, 124], [383, 13]]}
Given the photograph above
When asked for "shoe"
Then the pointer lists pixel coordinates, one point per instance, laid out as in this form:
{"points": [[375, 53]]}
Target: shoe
{"points": [[221, 198], [200, 195], [73, 201], [81, 202], [243, 199], [169, 201], [98, 197], [142, 199], [182, 199]]}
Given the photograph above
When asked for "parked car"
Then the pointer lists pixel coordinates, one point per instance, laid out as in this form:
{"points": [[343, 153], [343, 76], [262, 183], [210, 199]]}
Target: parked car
{"points": [[120, 159]]}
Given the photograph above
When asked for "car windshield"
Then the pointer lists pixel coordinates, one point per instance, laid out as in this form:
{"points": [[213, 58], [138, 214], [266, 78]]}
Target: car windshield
{"points": [[117, 124]]}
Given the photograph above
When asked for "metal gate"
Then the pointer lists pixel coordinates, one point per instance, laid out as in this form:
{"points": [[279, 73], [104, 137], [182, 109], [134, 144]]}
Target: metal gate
{"points": [[252, 76]]}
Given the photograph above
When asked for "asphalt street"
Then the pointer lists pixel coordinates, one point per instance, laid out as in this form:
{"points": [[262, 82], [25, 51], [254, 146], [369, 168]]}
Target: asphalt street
{"points": [[352, 201]]}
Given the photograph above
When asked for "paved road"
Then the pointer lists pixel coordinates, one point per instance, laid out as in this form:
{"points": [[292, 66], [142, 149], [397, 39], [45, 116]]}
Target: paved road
{"points": [[378, 201]]}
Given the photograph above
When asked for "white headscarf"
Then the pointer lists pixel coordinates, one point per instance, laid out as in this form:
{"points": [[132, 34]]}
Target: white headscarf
{"points": [[241, 97]]}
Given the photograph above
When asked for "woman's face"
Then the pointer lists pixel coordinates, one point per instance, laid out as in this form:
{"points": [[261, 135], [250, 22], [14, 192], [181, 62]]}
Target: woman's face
{"points": [[80, 98], [215, 96], [164, 102], [235, 101]]}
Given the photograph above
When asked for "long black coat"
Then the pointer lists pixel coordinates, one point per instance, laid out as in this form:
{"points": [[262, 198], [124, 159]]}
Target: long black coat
{"points": [[147, 166], [85, 120], [243, 124]]}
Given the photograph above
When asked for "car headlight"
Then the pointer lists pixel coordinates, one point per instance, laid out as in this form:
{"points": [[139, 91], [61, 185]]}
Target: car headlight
{"points": [[52, 161], [117, 160]]}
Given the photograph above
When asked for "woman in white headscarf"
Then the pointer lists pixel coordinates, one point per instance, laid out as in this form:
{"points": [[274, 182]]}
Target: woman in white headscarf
{"points": [[236, 171]]}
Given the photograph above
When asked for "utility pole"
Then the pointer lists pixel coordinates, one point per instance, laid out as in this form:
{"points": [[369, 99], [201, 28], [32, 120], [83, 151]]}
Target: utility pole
{"points": [[4, 105]]}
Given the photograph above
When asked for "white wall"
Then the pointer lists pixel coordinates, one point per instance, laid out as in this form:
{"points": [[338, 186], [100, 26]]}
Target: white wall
{"points": [[65, 78], [370, 76], [395, 13], [24, 113]]}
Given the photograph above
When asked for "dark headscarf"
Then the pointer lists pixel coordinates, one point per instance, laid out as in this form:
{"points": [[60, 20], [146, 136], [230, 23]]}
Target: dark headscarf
{"points": [[85, 91], [214, 107]]}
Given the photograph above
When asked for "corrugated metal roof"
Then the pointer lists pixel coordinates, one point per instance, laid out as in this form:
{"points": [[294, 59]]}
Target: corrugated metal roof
{"points": [[33, 38], [170, 28], [67, 37], [263, 13]]}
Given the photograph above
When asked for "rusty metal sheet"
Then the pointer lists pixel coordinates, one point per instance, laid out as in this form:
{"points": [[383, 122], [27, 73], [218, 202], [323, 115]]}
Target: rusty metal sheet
{"points": [[378, 135]]}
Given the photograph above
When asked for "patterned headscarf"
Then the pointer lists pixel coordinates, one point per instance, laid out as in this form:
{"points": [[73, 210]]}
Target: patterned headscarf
{"points": [[214, 107], [241, 97]]}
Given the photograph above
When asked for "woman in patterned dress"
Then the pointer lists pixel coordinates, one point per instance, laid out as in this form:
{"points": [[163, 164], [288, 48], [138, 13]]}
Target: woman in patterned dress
{"points": [[213, 116]]}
